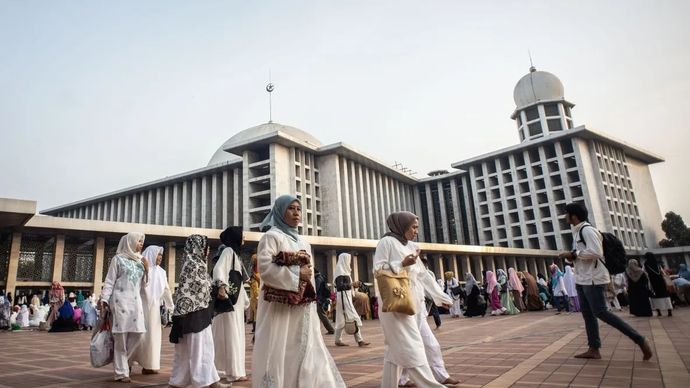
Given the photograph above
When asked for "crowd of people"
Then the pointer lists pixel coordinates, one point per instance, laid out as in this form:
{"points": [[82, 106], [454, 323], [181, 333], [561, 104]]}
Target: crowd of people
{"points": [[289, 300]]}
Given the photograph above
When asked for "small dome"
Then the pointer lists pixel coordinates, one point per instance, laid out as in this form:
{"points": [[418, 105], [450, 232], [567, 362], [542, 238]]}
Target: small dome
{"points": [[537, 86], [259, 132]]}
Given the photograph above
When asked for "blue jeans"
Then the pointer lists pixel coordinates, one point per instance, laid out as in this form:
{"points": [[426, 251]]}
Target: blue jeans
{"points": [[593, 306]]}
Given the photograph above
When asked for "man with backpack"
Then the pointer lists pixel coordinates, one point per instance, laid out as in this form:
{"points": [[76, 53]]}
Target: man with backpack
{"points": [[591, 278], [323, 296]]}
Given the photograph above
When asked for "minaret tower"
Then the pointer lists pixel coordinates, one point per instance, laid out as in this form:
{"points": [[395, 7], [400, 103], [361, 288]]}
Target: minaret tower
{"points": [[540, 108]]}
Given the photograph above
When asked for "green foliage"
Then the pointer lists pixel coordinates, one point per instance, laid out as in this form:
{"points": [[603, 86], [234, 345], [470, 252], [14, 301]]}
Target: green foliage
{"points": [[677, 233]]}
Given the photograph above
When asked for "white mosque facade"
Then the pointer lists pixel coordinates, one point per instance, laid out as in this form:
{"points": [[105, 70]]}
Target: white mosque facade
{"points": [[512, 197]]}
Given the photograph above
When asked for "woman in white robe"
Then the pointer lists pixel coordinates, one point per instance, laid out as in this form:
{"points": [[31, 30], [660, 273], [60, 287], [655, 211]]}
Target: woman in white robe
{"points": [[148, 355], [228, 327], [424, 284], [121, 296], [289, 350], [344, 306], [404, 344], [191, 329], [451, 282], [23, 317]]}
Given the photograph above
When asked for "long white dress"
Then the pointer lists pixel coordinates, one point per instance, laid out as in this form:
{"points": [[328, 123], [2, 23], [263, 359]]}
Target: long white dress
{"points": [[404, 344], [455, 310], [228, 328], [148, 355], [289, 350], [344, 298], [121, 290], [425, 285]]}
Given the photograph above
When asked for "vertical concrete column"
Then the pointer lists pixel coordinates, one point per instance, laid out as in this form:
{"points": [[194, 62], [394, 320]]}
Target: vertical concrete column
{"points": [[170, 264], [331, 261], [544, 266], [439, 266], [532, 266], [355, 268], [98, 257], [59, 256], [454, 266], [15, 247], [502, 263], [512, 262], [369, 257], [490, 263], [522, 264], [479, 265], [466, 267]]}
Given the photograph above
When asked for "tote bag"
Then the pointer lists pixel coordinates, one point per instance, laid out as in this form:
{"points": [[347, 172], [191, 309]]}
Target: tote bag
{"points": [[395, 292]]}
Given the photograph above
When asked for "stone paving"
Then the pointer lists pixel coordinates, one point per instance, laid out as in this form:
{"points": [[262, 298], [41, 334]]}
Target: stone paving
{"points": [[532, 349]]}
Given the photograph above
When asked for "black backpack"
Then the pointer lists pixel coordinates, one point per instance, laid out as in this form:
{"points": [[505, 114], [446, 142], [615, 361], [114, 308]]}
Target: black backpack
{"points": [[322, 290], [614, 253]]}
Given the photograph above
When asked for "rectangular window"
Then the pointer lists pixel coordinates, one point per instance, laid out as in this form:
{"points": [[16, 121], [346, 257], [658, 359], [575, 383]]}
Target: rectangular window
{"points": [[535, 128], [532, 113], [554, 125], [551, 110]]}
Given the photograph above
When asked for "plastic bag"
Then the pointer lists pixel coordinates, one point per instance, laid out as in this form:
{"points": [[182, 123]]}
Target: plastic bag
{"points": [[102, 346]]}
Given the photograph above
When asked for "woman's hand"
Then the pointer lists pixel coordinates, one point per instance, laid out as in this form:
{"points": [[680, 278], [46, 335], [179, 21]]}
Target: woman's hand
{"points": [[305, 272], [409, 260], [222, 294]]}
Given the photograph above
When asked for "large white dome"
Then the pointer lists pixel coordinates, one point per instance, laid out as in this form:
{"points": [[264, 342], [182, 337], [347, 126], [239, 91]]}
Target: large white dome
{"points": [[537, 86], [257, 133]]}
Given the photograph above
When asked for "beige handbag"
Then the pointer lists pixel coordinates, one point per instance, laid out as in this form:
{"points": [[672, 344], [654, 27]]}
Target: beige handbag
{"points": [[396, 294]]}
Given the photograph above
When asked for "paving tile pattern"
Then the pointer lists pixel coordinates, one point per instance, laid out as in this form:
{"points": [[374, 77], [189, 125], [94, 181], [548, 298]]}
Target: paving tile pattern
{"points": [[532, 349]]}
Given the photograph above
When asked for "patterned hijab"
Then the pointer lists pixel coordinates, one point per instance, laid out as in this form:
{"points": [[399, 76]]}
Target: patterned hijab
{"points": [[276, 217], [633, 270], [194, 290], [398, 223]]}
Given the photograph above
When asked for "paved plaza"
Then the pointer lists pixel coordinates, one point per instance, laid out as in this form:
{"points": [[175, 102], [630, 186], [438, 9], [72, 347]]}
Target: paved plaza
{"points": [[528, 350]]}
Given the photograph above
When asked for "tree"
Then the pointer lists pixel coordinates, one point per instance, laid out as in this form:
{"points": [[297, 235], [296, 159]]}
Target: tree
{"points": [[677, 233]]}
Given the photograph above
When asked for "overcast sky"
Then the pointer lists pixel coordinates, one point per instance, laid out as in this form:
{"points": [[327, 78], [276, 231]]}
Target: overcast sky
{"points": [[97, 96]]}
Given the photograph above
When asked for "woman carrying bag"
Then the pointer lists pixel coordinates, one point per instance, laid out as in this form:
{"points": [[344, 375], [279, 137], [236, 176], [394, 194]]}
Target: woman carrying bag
{"points": [[228, 327], [345, 313], [395, 255]]}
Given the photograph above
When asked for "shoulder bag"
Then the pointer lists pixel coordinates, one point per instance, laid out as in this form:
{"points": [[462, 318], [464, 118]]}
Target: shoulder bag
{"points": [[394, 289]]}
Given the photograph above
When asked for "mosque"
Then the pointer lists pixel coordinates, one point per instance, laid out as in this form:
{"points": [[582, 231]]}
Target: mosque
{"points": [[494, 210], [509, 198]]}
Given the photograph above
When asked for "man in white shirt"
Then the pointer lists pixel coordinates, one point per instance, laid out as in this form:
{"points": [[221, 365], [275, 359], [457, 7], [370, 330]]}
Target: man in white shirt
{"points": [[591, 278]]}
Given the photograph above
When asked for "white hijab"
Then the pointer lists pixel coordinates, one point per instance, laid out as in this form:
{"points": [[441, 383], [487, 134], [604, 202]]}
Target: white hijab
{"points": [[23, 317], [569, 280], [157, 276], [343, 268]]}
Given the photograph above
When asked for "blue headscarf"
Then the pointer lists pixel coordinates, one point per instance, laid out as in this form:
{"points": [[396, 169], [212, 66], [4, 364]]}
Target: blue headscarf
{"points": [[276, 218], [684, 273]]}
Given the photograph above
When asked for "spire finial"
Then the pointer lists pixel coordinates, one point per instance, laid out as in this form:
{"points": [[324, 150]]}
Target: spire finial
{"points": [[269, 88], [532, 69]]}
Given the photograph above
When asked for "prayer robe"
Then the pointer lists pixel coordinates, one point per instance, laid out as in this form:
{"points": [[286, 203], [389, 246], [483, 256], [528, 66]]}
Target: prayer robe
{"points": [[289, 350], [228, 328]]}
